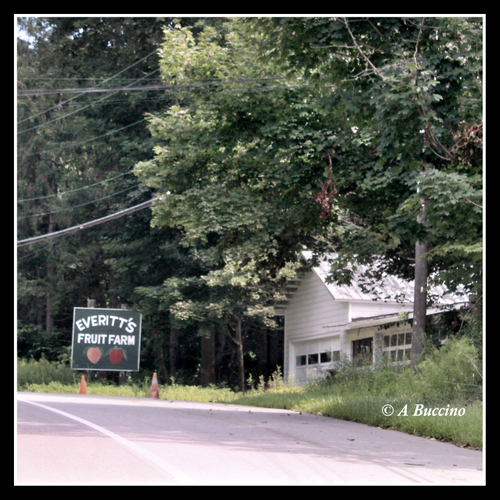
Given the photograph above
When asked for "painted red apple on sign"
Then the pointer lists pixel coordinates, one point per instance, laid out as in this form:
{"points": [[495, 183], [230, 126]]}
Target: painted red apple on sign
{"points": [[116, 355], [94, 354]]}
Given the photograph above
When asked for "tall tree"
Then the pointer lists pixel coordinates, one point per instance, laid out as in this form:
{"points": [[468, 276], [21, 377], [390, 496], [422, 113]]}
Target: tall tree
{"points": [[412, 90], [323, 140], [75, 153], [236, 163], [225, 171]]}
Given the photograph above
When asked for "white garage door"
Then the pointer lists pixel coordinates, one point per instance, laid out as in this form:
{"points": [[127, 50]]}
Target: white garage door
{"points": [[313, 358]]}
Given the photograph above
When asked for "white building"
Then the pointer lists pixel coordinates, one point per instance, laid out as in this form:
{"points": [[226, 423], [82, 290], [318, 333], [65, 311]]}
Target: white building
{"points": [[323, 319]]}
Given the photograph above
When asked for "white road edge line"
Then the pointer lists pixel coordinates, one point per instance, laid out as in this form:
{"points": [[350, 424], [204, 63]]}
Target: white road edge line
{"points": [[137, 449]]}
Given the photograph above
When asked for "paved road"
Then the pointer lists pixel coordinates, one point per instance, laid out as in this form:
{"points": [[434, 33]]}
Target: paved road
{"points": [[83, 439]]}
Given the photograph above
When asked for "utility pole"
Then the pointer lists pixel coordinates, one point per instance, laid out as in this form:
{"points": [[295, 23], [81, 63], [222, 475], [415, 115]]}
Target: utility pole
{"points": [[420, 302], [420, 295]]}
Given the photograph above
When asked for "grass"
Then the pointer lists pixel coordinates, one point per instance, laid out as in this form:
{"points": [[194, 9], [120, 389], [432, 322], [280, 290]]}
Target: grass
{"points": [[365, 408], [448, 378], [177, 392], [51, 377]]}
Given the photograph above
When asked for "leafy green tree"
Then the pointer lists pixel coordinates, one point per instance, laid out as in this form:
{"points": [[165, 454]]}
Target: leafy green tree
{"points": [[226, 173], [237, 165], [75, 153], [359, 124], [239, 294], [412, 91], [69, 145]]}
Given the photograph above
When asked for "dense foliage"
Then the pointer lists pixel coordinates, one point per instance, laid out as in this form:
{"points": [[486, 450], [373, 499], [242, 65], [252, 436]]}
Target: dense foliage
{"points": [[74, 164], [411, 90], [274, 135], [75, 154]]}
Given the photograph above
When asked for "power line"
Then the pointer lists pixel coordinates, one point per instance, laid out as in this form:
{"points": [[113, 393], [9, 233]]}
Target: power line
{"points": [[106, 102], [76, 111], [264, 89], [81, 205], [77, 78], [73, 144], [142, 88], [32, 92], [86, 225], [110, 78], [74, 190]]}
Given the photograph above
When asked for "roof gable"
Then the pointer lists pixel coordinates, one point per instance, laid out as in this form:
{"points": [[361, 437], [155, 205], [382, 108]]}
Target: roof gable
{"points": [[389, 289]]}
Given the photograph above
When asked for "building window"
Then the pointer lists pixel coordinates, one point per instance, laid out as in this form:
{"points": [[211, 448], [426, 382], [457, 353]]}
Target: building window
{"points": [[312, 359], [317, 358], [398, 346], [362, 347], [328, 356], [301, 360]]}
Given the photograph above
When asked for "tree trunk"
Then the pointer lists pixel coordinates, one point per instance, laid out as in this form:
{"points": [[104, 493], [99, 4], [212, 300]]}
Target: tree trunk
{"points": [[114, 300], [207, 375], [220, 346], [419, 304], [162, 368], [174, 350], [262, 353], [239, 353]]}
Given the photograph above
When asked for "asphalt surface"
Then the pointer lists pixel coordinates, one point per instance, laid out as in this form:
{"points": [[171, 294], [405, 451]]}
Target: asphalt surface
{"points": [[84, 439]]}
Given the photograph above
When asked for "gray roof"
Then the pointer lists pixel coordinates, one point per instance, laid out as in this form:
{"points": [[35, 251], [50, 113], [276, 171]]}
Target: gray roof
{"points": [[390, 288]]}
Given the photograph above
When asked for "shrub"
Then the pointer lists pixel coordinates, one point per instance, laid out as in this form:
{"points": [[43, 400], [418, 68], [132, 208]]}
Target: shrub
{"points": [[43, 372], [452, 372]]}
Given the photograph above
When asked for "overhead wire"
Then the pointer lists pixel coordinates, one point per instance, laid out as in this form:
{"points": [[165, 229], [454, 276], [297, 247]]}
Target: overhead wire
{"points": [[78, 78], [35, 92], [81, 205], [74, 190], [80, 92], [104, 81], [79, 109], [104, 102], [115, 90], [262, 89], [86, 225], [135, 80], [73, 144]]}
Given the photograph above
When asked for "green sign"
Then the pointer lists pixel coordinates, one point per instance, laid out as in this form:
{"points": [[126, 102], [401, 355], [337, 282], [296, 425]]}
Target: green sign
{"points": [[105, 339]]}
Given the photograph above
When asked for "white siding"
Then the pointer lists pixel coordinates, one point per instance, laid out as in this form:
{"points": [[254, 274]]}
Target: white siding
{"points": [[311, 308], [368, 309], [321, 317]]}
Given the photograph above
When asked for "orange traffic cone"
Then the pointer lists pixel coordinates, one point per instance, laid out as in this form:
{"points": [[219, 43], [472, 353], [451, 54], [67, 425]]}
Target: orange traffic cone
{"points": [[154, 392], [83, 386]]}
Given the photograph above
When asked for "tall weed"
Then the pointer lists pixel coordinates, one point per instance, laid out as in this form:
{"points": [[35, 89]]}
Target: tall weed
{"points": [[450, 376], [43, 372], [452, 372]]}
